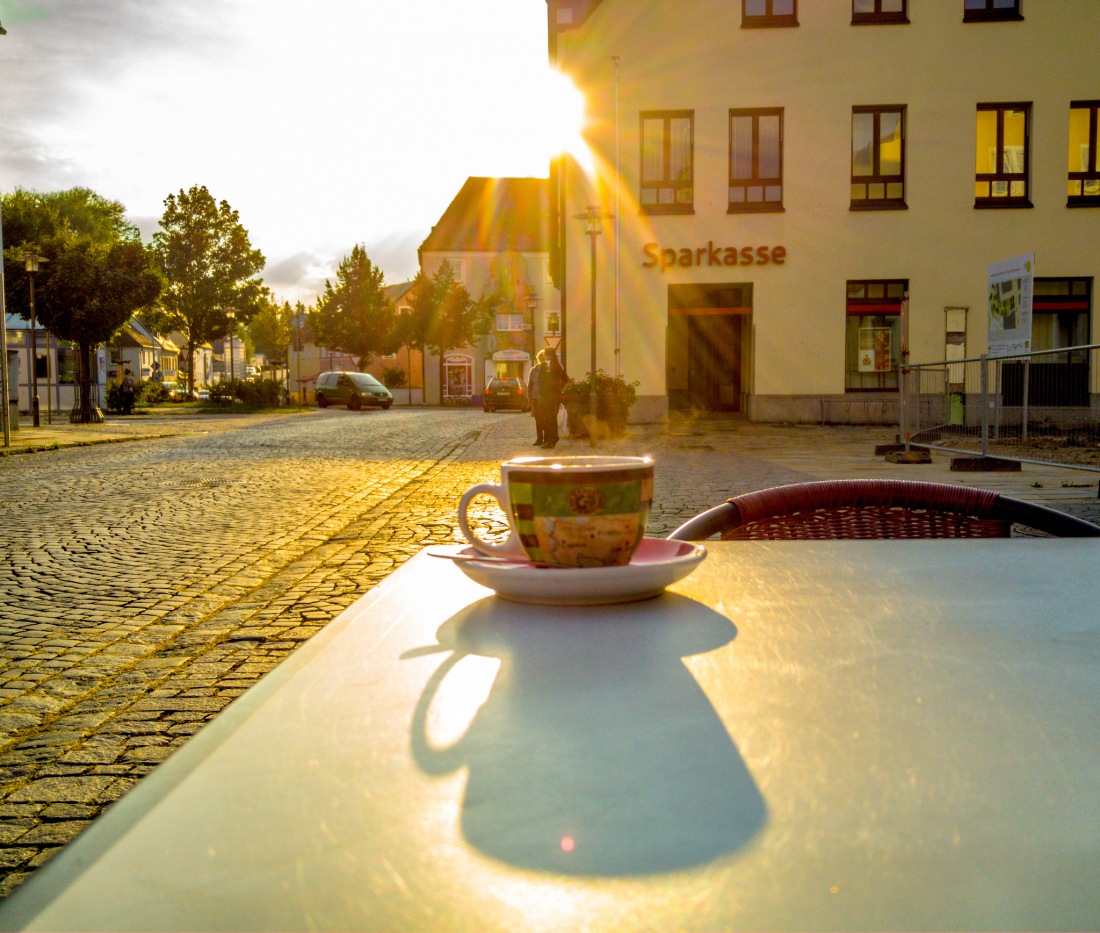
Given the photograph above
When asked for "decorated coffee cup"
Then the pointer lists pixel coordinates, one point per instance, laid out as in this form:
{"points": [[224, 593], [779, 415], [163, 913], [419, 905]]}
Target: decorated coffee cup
{"points": [[568, 511]]}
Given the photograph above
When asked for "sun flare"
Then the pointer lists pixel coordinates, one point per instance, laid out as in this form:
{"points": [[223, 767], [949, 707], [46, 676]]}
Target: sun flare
{"points": [[563, 118]]}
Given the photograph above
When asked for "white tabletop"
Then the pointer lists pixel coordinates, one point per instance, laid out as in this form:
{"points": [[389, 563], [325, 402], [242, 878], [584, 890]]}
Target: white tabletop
{"points": [[800, 735]]}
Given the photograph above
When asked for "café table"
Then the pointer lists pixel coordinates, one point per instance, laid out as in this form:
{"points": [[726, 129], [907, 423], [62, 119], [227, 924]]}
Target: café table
{"points": [[835, 735]]}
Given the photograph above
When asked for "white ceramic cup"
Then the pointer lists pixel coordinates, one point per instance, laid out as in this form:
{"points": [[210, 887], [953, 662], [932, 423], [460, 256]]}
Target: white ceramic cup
{"points": [[568, 511]]}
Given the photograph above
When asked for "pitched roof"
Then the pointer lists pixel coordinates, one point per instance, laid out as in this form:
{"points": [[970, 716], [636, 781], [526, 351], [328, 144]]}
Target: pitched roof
{"points": [[396, 292], [492, 215]]}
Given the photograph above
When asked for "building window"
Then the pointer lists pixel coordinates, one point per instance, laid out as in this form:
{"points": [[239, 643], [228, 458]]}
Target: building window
{"points": [[1060, 313], [510, 322], [458, 271], [981, 11], [879, 11], [756, 160], [878, 158], [764, 13], [667, 162], [66, 365], [1001, 156], [872, 334], [1084, 174]]}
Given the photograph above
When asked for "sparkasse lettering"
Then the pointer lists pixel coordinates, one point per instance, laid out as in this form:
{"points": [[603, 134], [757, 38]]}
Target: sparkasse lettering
{"points": [[711, 255]]}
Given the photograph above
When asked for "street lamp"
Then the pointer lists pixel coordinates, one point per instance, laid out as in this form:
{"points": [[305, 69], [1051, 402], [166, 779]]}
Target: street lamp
{"points": [[30, 263], [531, 301], [231, 315], [593, 219], [5, 410]]}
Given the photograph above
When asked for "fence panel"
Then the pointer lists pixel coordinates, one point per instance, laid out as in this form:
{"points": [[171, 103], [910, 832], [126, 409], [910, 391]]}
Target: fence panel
{"points": [[1041, 407]]}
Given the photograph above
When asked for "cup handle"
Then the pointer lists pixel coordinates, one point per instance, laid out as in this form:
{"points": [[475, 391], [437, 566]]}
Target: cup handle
{"points": [[510, 546]]}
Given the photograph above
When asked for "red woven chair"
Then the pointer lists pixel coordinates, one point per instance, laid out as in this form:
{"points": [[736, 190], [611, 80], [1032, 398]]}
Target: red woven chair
{"points": [[878, 508]]}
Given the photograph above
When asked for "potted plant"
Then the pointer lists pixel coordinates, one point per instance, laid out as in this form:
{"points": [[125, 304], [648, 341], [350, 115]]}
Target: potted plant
{"points": [[614, 398]]}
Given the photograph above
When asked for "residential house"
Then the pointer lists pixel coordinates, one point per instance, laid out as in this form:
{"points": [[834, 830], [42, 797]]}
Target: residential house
{"points": [[812, 175], [496, 232], [57, 369]]}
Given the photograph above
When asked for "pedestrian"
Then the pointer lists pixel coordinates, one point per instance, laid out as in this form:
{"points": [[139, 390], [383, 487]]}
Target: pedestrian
{"points": [[552, 381], [533, 397], [127, 390]]}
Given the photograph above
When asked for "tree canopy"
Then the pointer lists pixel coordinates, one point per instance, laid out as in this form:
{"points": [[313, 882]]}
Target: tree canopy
{"points": [[269, 329], [210, 266], [355, 315], [97, 275], [442, 315]]}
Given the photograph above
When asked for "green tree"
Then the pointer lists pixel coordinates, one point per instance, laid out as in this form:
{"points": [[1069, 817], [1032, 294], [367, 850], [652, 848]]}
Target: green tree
{"points": [[355, 316], [269, 330], [442, 316], [210, 268], [98, 275]]}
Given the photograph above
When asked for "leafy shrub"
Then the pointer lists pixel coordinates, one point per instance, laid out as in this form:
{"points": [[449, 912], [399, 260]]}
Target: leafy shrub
{"points": [[614, 399], [393, 377], [259, 393]]}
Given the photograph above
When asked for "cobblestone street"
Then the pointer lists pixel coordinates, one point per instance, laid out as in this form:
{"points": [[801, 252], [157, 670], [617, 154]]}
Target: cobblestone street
{"points": [[145, 585]]}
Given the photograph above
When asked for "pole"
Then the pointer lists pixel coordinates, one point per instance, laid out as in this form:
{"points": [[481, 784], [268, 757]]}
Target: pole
{"points": [[34, 357], [5, 414], [618, 213], [592, 401], [49, 378]]}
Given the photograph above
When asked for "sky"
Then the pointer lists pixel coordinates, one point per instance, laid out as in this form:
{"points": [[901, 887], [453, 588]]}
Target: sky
{"points": [[323, 124]]}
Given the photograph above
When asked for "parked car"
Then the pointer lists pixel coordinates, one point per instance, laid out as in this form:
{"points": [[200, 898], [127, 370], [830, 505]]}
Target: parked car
{"points": [[506, 392], [352, 389], [178, 392]]}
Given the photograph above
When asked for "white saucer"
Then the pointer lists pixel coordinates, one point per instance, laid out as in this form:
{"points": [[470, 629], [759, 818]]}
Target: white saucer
{"points": [[657, 563]]}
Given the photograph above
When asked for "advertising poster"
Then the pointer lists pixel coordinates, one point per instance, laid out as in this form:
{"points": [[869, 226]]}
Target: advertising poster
{"points": [[874, 350], [1010, 284]]}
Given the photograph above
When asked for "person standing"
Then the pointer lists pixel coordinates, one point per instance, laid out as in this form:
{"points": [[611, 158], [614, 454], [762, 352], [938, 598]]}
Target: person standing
{"points": [[552, 381], [533, 397], [127, 390]]}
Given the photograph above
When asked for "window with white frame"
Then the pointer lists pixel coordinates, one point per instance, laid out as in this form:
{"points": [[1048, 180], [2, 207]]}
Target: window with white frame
{"points": [[510, 322], [458, 269]]}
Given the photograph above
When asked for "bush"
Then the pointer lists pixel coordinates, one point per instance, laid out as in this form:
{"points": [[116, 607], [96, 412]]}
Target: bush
{"points": [[259, 393], [614, 398], [393, 377], [146, 392]]}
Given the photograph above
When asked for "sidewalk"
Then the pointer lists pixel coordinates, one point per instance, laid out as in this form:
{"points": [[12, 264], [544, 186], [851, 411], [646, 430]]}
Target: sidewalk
{"points": [[116, 428]]}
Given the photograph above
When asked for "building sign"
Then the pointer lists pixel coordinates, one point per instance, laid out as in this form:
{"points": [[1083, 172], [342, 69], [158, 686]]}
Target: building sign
{"points": [[1010, 288], [710, 255]]}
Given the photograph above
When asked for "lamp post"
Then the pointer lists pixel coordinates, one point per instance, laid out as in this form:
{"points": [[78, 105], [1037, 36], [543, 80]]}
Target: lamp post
{"points": [[30, 263], [231, 315], [531, 301], [5, 407], [593, 219]]}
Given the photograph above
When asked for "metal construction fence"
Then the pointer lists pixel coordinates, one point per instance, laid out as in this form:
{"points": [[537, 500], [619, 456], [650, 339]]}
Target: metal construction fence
{"points": [[1038, 407]]}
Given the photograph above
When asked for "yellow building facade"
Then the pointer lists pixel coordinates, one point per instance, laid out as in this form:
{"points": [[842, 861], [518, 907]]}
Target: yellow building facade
{"points": [[778, 176]]}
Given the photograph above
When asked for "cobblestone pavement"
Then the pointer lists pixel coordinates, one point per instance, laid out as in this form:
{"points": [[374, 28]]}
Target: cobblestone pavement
{"points": [[144, 586]]}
